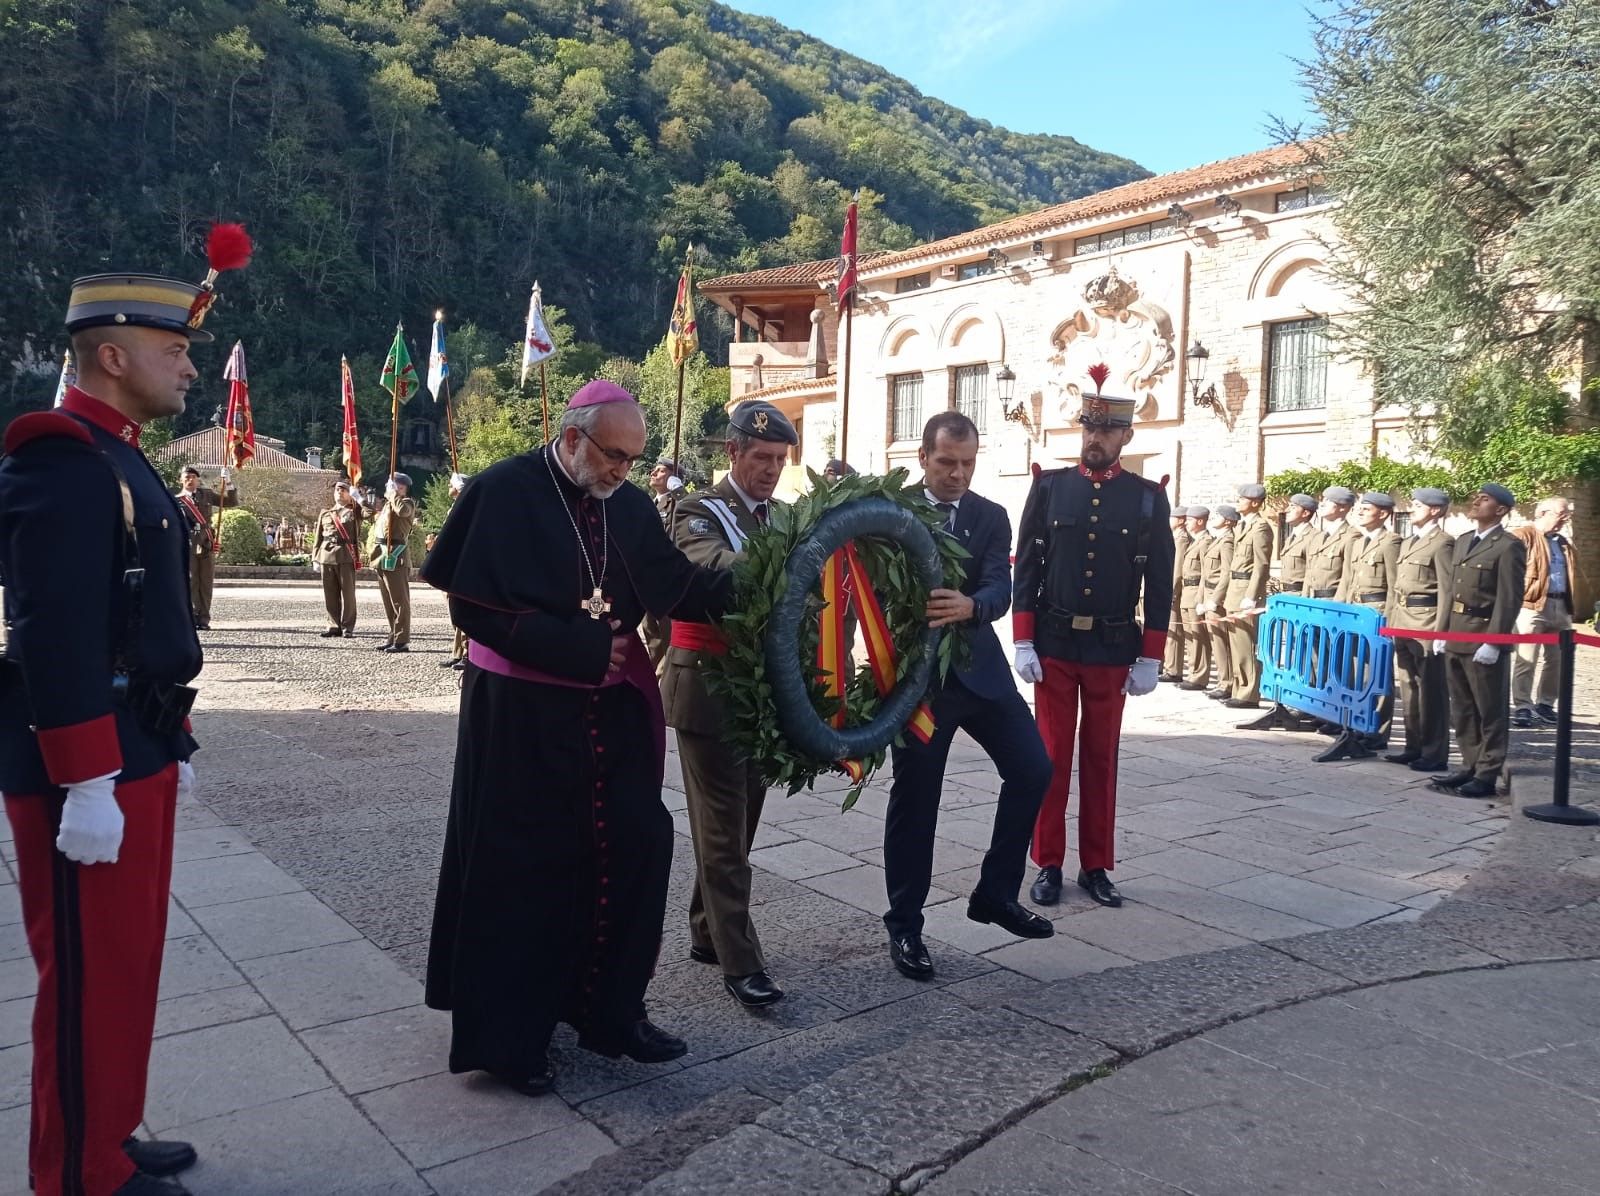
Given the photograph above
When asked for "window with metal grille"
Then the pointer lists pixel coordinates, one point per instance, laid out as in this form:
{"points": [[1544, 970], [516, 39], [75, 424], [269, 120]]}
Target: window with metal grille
{"points": [[1297, 365], [972, 394], [905, 407], [913, 282]]}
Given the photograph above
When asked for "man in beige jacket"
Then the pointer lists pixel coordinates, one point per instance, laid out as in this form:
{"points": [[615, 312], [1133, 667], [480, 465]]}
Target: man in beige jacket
{"points": [[1547, 604]]}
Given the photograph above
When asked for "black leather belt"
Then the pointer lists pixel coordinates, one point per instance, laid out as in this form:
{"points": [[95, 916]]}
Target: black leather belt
{"points": [[1245, 576], [1411, 600], [1472, 612], [1061, 621], [159, 706], [1325, 593], [1191, 581], [1293, 587], [1373, 596]]}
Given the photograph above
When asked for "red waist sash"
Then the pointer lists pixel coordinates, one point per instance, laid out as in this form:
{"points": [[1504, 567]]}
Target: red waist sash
{"points": [[698, 637]]}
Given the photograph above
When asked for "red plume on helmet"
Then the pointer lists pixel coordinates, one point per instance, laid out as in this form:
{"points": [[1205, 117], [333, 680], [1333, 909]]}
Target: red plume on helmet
{"points": [[228, 247], [1100, 371]]}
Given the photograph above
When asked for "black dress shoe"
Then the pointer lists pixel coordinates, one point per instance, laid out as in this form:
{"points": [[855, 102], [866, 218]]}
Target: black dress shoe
{"points": [[910, 957], [1242, 704], [536, 1082], [331, 633], [349, 633], [1546, 713], [1476, 788], [1219, 695], [202, 626], [754, 990], [1402, 757], [1169, 677], [643, 1042], [385, 646], [1522, 719], [1191, 685], [1429, 766], [1047, 888], [160, 1158], [1098, 885], [397, 648], [1455, 779], [1011, 917], [142, 1183], [702, 954]]}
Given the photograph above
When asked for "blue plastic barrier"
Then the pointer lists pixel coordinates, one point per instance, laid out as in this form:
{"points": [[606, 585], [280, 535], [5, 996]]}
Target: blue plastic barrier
{"points": [[1325, 659]]}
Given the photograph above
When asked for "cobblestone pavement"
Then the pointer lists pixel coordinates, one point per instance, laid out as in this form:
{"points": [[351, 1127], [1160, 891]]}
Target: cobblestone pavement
{"points": [[295, 1052]]}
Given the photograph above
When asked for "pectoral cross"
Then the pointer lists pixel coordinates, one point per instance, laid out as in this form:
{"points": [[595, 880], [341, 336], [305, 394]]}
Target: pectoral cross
{"points": [[596, 604]]}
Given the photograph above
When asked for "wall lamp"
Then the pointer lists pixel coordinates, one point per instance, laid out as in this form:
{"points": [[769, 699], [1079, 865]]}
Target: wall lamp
{"points": [[1180, 215], [999, 260], [1012, 408], [1198, 358], [1228, 205]]}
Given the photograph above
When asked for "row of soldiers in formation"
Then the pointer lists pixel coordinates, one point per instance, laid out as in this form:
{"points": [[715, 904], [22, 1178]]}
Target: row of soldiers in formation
{"points": [[1488, 581]]}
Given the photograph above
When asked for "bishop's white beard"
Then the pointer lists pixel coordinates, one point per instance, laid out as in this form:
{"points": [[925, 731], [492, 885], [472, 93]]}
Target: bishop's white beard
{"points": [[592, 481]]}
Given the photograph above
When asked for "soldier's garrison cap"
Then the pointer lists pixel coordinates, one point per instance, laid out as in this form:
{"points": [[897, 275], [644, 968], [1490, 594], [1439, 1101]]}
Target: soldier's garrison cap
{"points": [[134, 300], [1304, 501], [1499, 493], [1430, 496], [1342, 495], [1199, 513], [763, 421], [1225, 512], [1379, 499], [1252, 490]]}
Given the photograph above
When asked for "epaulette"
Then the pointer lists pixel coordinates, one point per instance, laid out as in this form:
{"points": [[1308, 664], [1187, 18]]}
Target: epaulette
{"points": [[40, 425], [1040, 472], [1152, 483]]}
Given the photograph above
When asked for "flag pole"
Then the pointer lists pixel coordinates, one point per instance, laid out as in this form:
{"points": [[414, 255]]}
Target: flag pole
{"points": [[686, 286], [544, 398], [394, 416], [677, 420], [844, 400], [450, 425]]}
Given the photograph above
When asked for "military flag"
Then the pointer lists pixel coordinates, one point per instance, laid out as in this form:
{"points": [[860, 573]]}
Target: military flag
{"points": [[536, 342], [352, 438], [683, 335], [399, 375], [438, 361], [241, 429], [847, 257]]}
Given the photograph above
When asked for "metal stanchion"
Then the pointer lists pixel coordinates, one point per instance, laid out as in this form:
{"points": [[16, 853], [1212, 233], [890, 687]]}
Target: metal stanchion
{"points": [[1561, 810]]}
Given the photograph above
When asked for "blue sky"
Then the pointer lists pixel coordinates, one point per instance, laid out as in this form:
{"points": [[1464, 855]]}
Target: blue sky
{"points": [[1168, 83]]}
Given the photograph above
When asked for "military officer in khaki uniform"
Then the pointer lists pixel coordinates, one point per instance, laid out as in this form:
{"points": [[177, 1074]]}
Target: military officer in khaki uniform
{"points": [[1326, 556], [1424, 565], [1484, 595], [1190, 586], [724, 792], [199, 507], [391, 558], [1248, 575], [1215, 569], [336, 551], [1172, 665], [1369, 572], [1298, 536]]}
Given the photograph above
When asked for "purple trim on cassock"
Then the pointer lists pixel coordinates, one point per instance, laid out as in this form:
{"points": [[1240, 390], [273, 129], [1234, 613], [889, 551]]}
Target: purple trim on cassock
{"points": [[637, 671]]}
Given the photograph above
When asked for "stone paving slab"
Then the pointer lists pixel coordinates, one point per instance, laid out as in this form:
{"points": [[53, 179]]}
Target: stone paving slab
{"points": [[1383, 952], [787, 1168]]}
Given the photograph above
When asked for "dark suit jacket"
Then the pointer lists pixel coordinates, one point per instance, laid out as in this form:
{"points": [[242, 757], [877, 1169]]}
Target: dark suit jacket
{"points": [[984, 529]]}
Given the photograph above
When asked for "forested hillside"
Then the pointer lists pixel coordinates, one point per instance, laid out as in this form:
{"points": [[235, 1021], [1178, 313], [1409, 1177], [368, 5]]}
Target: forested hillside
{"points": [[391, 157]]}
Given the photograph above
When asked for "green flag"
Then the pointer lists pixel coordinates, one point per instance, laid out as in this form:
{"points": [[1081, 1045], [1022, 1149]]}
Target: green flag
{"points": [[399, 375]]}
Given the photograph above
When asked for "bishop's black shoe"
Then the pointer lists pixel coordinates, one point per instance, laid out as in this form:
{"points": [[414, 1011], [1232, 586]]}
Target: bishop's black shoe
{"points": [[643, 1042], [910, 957], [702, 954], [1047, 888], [1098, 885], [538, 1080], [160, 1158], [142, 1183], [1455, 780], [1476, 788], [1011, 916], [753, 991]]}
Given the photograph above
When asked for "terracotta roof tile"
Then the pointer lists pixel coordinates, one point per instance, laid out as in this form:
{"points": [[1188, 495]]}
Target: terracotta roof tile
{"points": [[204, 449], [1130, 197], [800, 274], [782, 389]]}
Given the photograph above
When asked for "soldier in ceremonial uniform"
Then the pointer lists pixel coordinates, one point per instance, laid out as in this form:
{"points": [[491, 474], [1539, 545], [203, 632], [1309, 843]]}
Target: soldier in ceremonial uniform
{"points": [[1298, 536], [94, 733], [1325, 556], [1216, 568], [1092, 541], [336, 552], [1172, 662], [725, 793], [1422, 566], [390, 557], [1484, 595], [1369, 575], [199, 507], [1250, 570], [1191, 589]]}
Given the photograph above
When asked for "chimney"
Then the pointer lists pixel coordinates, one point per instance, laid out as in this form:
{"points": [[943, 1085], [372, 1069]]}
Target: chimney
{"points": [[314, 457]]}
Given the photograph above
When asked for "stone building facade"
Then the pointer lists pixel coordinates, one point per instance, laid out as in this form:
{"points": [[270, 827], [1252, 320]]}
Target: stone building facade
{"points": [[1226, 256]]}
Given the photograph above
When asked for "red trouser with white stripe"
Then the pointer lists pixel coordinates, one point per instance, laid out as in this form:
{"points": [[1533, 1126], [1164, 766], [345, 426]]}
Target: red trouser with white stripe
{"points": [[96, 932], [1079, 706]]}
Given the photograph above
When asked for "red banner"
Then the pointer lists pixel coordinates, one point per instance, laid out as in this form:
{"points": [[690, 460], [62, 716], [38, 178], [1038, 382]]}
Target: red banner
{"points": [[352, 438]]}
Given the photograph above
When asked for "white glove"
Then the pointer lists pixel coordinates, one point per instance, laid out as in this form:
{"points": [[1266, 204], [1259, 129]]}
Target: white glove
{"points": [[1027, 663], [1486, 654], [674, 483], [316, 567], [185, 779], [1142, 676], [390, 490], [1205, 608], [91, 822], [226, 474], [1438, 647]]}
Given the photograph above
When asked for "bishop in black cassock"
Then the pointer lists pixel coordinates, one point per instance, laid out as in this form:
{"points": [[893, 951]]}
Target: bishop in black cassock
{"points": [[557, 853]]}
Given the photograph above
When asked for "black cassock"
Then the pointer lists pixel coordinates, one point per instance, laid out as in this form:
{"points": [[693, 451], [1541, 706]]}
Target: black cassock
{"points": [[557, 853]]}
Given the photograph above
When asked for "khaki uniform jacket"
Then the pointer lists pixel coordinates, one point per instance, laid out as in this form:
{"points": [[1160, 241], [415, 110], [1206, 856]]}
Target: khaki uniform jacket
{"points": [[1325, 561], [1485, 589], [338, 538], [395, 517], [1422, 567], [1181, 542], [1369, 568], [698, 529], [1297, 544], [202, 536], [1252, 564], [1215, 563]]}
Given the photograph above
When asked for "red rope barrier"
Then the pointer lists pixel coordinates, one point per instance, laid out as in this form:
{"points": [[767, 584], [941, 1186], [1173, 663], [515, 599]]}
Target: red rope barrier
{"points": [[1477, 637], [1592, 640]]}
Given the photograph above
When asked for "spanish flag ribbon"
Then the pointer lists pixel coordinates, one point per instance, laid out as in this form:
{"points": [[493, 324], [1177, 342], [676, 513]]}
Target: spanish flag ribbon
{"points": [[845, 580]]}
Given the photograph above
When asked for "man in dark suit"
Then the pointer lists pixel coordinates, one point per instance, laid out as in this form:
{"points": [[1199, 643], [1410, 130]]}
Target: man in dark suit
{"points": [[980, 699]]}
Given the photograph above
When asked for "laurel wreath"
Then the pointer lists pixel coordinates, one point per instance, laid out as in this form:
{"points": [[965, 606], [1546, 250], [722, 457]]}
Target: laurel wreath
{"points": [[739, 677]]}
